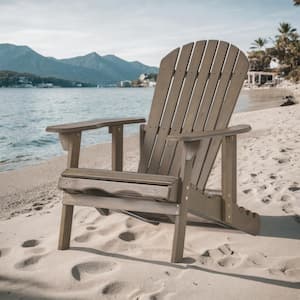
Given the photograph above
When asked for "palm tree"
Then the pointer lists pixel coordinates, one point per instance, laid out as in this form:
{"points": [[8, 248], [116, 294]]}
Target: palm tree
{"points": [[287, 45], [286, 30], [259, 44]]}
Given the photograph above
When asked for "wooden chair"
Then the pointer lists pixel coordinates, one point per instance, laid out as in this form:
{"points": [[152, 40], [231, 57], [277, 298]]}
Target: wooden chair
{"points": [[196, 92]]}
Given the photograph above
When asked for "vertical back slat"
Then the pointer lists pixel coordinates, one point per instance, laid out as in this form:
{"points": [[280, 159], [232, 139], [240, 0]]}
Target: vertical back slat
{"points": [[182, 106], [213, 115], [170, 107], [195, 100], [196, 91], [227, 108], [166, 72]]}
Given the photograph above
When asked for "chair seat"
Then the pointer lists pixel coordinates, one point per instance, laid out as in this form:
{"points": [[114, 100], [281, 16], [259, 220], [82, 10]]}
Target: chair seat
{"points": [[119, 184]]}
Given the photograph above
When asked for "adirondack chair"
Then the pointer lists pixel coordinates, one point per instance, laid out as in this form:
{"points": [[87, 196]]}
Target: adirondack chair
{"points": [[196, 92]]}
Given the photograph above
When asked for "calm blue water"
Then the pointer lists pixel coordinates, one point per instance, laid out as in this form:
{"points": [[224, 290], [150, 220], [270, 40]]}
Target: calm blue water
{"points": [[25, 113]]}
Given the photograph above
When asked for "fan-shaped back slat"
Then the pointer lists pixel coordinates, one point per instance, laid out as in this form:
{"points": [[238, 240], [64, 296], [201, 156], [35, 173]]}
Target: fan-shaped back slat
{"points": [[170, 107], [182, 106], [229, 101], [164, 79], [196, 90]]}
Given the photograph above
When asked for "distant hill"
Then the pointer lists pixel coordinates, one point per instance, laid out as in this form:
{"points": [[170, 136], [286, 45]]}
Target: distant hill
{"points": [[16, 79], [91, 68]]}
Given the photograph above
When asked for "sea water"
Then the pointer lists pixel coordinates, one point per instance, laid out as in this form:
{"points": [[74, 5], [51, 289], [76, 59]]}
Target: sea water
{"points": [[25, 113]]}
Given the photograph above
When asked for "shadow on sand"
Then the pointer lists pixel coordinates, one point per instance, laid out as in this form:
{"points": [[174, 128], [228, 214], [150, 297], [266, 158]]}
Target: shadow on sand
{"points": [[188, 264]]}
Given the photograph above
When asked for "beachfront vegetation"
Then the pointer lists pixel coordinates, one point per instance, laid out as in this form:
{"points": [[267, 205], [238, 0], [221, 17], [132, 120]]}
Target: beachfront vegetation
{"points": [[16, 79], [285, 50]]}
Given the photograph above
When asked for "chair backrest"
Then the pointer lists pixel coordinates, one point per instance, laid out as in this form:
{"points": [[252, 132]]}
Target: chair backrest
{"points": [[197, 89]]}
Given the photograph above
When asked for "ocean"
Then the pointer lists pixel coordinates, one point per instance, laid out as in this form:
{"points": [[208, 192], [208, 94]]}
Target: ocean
{"points": [[25, 113]]}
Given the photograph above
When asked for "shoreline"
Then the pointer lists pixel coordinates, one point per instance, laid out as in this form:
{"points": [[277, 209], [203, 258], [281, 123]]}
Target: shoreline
{"points": [[15, 182]]}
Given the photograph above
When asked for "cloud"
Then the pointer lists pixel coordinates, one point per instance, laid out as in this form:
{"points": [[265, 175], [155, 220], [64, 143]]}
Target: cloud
{"points": [[136, 30]]}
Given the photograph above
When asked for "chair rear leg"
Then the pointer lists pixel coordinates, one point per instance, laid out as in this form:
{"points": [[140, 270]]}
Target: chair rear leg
{"points": [[65, 227], [179, 236]]}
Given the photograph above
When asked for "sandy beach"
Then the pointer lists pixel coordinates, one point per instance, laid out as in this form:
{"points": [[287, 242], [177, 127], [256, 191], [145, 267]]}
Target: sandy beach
{"points": [[118, 257]]}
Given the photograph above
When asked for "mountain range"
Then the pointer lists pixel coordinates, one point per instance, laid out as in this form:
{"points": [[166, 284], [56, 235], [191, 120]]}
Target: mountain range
{"points": [[90, 68]]}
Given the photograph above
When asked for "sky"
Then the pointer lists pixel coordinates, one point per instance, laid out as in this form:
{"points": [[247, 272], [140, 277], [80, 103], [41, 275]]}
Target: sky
{"points": [[138, 30]]}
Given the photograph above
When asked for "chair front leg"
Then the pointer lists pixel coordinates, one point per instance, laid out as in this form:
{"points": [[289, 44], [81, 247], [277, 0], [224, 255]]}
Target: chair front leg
{"points": [[190, 150], [70, 143], [229, 177]]}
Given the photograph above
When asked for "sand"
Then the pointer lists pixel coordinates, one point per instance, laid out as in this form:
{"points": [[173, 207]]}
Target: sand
{"points": [[118, 257]]}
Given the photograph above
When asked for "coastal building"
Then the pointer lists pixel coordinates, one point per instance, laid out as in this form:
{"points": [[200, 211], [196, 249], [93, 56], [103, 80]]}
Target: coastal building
{"points": [[259, 78], [125, 83]]}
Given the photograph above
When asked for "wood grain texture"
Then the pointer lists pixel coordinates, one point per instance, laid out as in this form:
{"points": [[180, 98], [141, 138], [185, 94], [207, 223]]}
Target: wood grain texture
{"points": [[164, 80], [92, 124], [117, 147], [121, 203], [116, 176], [171, 103], [121, 189], [65, 227]]}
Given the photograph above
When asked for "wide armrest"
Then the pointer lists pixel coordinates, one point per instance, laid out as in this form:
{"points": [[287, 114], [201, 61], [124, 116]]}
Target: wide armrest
{"points": [[197, 136], [93, 124]]}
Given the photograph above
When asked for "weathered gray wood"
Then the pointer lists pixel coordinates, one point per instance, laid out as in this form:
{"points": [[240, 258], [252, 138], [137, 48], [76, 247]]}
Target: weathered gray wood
{"points": [[228, 176], [124, 176], [181, 219], [197, 136], [65, 227], [205, 206], [226, 111], [124, 189], [213, 115], [196, 99], [92, 124], [208, 97], [142, 138], [117, 147], [71, 143], [164, 79], [183, 103], [201, 83], [193, 101], [121, 203], [171, 104]]}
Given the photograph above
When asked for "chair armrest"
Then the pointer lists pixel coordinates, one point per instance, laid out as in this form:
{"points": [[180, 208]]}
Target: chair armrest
{"points": [[197, 136], [93, 124]]}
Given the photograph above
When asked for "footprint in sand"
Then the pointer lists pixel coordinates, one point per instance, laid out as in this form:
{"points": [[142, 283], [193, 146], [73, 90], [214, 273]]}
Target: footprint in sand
{"points": [[113, 288], [294, 188], [28, 263], [4, 251], [290, 268], [257, 260], [266, 199], [281, 160], [224, 256], [38, 206], [285, 198], [229, 262], [287, 208], [127, 236], [132, 223], [84, 237], [84, 271], [30, 243], [91, 228]]}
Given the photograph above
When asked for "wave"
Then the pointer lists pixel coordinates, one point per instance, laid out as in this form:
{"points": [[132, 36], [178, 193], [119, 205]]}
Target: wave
{"points": [[34, 143]]}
